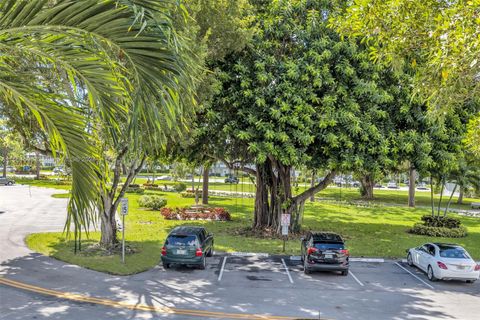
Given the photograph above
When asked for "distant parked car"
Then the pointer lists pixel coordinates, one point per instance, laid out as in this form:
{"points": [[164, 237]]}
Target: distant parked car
{"points": [[7, 181], [324, 251], [165, 178], [443, 261], [232, 179], [392, 185], [422, 186], [59, 170], [355, 184], [378, 185], [10, 169], [187, 246]]}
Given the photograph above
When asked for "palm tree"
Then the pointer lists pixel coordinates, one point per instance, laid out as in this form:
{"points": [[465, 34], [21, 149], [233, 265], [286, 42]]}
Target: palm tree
{"points": [[91, 71]]}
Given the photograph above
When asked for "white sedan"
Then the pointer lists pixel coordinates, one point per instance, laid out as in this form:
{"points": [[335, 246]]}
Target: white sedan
{"points": [[442, 261]]}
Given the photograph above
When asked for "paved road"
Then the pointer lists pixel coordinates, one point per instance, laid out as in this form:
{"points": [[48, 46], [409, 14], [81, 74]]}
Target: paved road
{"points": [[234, 285]]}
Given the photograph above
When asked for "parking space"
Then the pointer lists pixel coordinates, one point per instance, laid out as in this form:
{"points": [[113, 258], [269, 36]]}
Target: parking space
{"points": [[254, 272]]}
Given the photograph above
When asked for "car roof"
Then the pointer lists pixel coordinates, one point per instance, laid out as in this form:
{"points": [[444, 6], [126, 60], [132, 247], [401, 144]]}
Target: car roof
{"points": [[326, 236], [187, 230], [446, 245]]}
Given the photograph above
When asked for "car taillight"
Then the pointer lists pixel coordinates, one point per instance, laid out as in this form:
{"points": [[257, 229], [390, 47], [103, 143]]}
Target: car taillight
{"points": [[199, 252], [311, 250], [477, 267], [345, 252], [164, 251], [442, 265]]}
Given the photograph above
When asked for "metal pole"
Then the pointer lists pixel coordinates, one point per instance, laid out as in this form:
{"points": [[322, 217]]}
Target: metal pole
{"points": [[123, 238]]}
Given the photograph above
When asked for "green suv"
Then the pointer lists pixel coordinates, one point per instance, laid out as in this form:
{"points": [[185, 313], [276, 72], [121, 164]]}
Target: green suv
{"points": [[188, 246]]}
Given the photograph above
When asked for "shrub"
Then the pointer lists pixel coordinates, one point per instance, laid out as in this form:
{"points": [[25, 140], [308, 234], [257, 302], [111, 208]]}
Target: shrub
{"points": [[150, 185], [189, 194], [152, 202], [179, 187], [195, 214], [136, 190], [424, 230], [443, 222]]}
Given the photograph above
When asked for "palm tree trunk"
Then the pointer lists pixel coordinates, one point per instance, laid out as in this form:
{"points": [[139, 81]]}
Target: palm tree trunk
{"points": [[411, 188]]}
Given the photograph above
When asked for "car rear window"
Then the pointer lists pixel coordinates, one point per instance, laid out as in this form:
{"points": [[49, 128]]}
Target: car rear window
{"points": [[329, 245], [455, 253], [181, 240]]}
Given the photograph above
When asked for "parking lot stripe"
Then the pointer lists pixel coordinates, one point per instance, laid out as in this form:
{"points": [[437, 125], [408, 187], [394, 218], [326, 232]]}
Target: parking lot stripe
{"points": [[221, 270], [356, 279], [431, 287], [288, 272]]}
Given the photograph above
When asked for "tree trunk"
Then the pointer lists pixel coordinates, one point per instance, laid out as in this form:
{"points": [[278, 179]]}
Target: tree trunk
{"points": [[37, 165], [367, 186], [450, 200], [108, 226], [274, 196], [312, 184], [432, 203], [441, 195], [411, 187], [460, 195], [206, 171], [5, 160]]}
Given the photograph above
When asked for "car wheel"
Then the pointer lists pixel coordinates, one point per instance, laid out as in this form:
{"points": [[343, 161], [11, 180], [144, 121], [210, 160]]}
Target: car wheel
{"points": [[345, 273], [203, 265], [430, 274], [210, 251], [471, 281], [305, 268], [9, 183], [166, 265], [410, 260]]}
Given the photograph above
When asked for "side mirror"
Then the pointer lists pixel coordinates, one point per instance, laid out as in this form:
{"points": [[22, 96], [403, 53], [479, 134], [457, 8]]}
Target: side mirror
{"points": [[302, 239]]}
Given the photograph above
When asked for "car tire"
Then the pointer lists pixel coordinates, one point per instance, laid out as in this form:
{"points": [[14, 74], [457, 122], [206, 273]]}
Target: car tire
{"points": [[471, 281], [409, 259], [305, 268], [210, 251], [166, 265], [345, 273], [9, 183], [430, 274], [203, 265]]}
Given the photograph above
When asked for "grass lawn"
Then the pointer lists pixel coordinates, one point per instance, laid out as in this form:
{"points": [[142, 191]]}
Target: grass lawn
{"points": [[376, 231]]}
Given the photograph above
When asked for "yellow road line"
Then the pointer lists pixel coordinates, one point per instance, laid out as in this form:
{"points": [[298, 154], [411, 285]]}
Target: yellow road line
{"points": [[124, 305]]}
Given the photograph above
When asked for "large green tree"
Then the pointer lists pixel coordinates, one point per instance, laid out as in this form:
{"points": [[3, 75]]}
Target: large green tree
{"points": [[89, 72], [297, 96]]}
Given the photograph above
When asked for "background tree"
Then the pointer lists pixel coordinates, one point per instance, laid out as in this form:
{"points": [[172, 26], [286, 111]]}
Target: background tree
{"points": [[438, 38]]}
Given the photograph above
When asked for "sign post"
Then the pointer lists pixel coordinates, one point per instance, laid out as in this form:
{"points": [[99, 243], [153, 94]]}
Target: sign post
{"points": [[123, 212], [285, 224]]}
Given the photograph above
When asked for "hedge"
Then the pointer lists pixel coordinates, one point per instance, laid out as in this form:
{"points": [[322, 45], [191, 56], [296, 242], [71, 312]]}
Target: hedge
{"points": [[152, 202], [444, 222], [424, 230]]}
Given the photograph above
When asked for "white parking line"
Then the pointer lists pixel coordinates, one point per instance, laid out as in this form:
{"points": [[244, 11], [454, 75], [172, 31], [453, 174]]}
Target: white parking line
{"points": [[356, 279], [221, 270], [431, 287], [288, 272]]}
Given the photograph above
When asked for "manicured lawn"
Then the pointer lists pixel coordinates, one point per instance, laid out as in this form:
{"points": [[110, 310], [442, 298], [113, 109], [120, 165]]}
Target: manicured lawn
{"points": [[377, 231]]}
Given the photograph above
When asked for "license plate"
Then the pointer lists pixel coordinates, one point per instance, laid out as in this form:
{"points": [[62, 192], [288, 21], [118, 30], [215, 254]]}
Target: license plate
{"points": [[461, 267], [328, 256], [181, 251]]}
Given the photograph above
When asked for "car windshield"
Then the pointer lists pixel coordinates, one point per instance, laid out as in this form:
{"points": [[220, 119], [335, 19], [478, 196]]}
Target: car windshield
{"points": [[329, 245], [181, 240], [455, 253]]}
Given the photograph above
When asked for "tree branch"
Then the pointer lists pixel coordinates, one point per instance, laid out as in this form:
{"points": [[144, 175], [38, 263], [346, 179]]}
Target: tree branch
{"points": [[231, 165], [302, 197]]}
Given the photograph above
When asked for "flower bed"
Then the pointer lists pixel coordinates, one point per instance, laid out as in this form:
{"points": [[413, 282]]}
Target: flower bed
{"points": [[196, 213]]}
